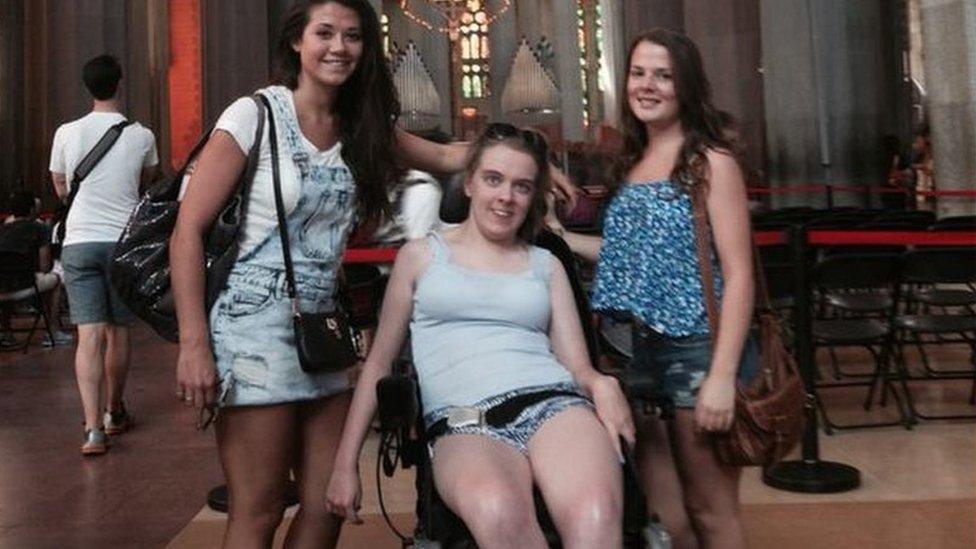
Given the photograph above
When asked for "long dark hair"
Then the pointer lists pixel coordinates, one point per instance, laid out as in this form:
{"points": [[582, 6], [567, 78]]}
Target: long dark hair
{"points": [[367, 104], [705, 127], [526, 141]]}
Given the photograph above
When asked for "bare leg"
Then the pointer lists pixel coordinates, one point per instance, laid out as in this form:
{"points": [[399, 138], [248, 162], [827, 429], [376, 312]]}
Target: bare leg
{"points": [[580, 478], [489, 485], [319, 430], [256, 445], [89, 358], [711, 489], [662, 485], [53, 304], [117, 353]]}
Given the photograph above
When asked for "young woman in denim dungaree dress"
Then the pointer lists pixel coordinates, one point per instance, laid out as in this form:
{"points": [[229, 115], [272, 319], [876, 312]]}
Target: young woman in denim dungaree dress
{"points": [[339, 150], [648, 268]]}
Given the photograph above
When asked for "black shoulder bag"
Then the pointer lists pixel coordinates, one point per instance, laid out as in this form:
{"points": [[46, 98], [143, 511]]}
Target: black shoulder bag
{"points": [[140, 269], [85, 167], [325, 341]]}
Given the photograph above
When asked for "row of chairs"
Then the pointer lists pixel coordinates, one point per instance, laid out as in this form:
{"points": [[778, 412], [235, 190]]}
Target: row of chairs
{"points": [[862, 219], [885, 302]]}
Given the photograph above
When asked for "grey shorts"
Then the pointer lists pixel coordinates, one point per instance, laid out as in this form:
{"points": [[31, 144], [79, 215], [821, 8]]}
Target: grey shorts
{"points": [[517, 433], [91, 296]]}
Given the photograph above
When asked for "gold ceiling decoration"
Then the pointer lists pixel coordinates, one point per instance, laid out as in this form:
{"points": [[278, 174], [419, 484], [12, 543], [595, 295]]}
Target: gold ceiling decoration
{"points": [[449, 16]]}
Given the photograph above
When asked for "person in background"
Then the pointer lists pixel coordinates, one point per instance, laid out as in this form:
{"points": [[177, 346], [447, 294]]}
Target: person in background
{"points": [[23, 234], [102, 206], [416, 201]]}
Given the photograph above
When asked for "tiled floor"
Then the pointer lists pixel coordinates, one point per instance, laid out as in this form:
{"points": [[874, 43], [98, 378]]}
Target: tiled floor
{"points": [[919, 486]]}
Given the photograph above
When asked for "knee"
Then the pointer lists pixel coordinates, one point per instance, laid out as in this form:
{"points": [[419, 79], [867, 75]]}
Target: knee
{"points": [[256, 518], [708, 516], [496, 511], [91, 338], [595, 514]]}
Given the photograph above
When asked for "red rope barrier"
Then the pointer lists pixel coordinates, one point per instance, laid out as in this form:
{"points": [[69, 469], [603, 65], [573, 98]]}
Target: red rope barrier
{"points": [[882, 238], [819, 188], [370, 255]]}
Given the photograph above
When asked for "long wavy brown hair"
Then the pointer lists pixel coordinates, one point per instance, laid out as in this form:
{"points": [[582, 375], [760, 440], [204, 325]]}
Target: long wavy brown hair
{"points": [[367, 105], [705, 127]]}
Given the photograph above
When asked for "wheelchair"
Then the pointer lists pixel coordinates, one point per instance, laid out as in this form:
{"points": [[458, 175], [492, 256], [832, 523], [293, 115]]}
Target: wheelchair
{"points": [[403, 442]]}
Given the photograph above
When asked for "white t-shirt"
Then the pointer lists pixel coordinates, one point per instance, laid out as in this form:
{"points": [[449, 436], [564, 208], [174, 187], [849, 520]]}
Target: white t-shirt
{"points": [[240, 120], [417, 204], [108, 195]]}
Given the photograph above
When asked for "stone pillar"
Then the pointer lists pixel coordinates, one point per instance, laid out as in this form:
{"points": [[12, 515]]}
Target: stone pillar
{"points": [[949, 52], [826, 102], [568, 68], [236, 52], [728, 36]]}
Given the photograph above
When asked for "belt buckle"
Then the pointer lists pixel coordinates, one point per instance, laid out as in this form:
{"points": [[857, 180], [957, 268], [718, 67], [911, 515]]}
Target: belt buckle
{"points": [[465, 416]]}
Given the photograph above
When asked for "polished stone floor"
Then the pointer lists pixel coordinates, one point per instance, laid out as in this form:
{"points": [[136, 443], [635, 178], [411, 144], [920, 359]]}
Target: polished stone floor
{"points": [[919, 486]]}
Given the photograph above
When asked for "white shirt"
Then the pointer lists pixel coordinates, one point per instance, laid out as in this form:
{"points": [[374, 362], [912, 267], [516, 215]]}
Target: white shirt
{"points": [[108, 195], [240, 120], [417, 203]]}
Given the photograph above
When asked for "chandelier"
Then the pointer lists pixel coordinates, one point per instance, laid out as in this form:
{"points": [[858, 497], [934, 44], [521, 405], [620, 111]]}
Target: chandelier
{"points": [[449, 16]]}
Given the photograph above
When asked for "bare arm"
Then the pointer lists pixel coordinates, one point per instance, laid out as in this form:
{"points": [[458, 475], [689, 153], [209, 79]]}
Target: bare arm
{"points": [[213, 181], [344, 490], [583, 245], [569, 346], [44, 259], [729, 215], [433, 157], [148, 175], [60, 185]]}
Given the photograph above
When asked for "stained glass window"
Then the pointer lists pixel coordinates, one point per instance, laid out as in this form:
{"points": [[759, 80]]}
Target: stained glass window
{"points": [[475, 53]]}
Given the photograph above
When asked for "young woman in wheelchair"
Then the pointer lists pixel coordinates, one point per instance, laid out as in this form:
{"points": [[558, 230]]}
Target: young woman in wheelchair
{"points": [[492, 318]]}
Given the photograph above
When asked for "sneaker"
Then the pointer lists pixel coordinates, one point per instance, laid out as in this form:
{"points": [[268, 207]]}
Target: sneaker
{"points": [[60, 338], [96, 443], [117, 422], [8, 341]]}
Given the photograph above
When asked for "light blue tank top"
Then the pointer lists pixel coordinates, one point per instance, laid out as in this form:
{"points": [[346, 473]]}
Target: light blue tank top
{"points": [[479, 334]]}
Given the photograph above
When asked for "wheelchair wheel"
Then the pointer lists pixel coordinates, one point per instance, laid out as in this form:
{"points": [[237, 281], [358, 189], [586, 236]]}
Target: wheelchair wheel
{"points": [[424, 543]]}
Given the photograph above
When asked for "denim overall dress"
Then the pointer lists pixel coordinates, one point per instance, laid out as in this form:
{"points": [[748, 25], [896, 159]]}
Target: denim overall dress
{"points": [[251, 321]]}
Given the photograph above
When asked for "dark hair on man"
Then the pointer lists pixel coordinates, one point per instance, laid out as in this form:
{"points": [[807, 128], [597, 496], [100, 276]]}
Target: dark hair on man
{"points": [[101, 76], [367, 104], [705, 126], [525, 141], [21, 203]]}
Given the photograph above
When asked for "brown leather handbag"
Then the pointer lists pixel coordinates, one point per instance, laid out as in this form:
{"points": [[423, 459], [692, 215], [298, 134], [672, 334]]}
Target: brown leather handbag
{"points": [[769, 410]]}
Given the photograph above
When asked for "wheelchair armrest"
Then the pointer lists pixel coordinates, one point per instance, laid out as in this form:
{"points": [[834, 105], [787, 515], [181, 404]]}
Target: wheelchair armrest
{"points": [[397, 401]]}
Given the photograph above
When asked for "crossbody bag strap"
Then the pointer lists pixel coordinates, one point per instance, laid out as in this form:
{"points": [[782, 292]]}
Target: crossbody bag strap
{"points": [[703, 247], [280, 208], [95, 156], [253, 157]]}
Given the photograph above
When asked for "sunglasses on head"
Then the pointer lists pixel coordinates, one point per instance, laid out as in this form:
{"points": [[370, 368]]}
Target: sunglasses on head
{"points": [[533, 139]]}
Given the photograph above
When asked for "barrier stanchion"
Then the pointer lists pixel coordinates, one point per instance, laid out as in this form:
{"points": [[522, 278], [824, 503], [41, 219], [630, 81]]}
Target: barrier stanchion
{"points": [[810, 474]]}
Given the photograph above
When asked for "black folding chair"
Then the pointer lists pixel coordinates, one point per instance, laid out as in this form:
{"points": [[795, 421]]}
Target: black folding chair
{"points": [[848, 279], [928, 268], [18, 287]]}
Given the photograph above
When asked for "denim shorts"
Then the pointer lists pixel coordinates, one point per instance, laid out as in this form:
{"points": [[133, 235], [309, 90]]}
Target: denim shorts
{"points": [[91, 296], [254, 341], [517, 433], [679, 365]]}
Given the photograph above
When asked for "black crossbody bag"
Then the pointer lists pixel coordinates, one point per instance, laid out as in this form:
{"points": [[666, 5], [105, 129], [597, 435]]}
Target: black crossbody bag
{"points": [[325, 342], [85, 167]]}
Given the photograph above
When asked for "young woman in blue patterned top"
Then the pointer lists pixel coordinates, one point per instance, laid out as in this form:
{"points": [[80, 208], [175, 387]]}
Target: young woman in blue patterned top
{"points": [[648, 268]]}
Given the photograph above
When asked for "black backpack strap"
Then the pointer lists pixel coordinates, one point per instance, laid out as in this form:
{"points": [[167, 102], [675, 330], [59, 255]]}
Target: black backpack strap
{"points": [[95, 156]]}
